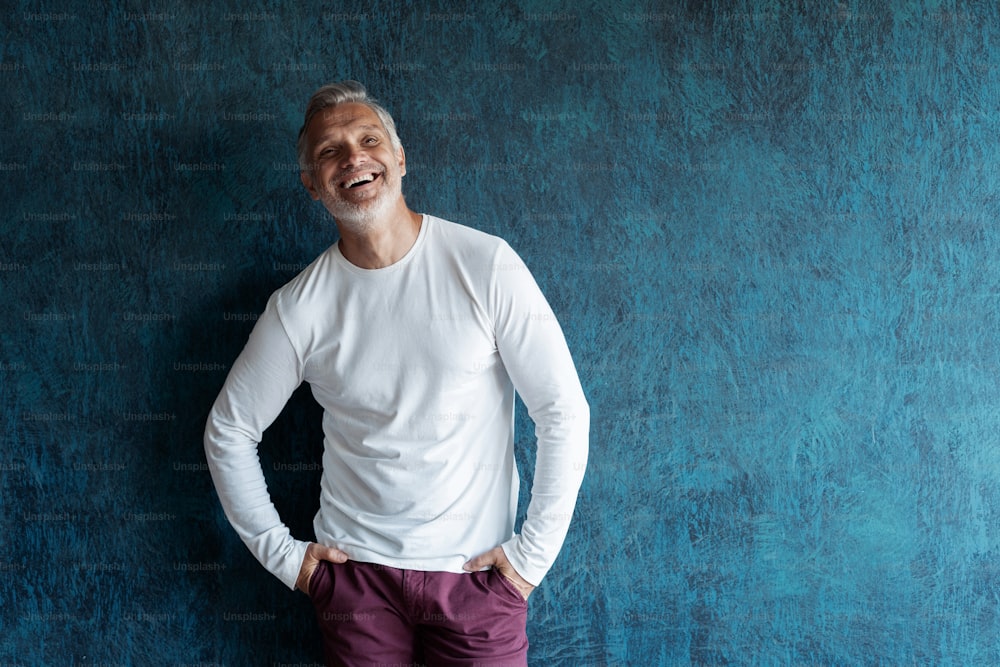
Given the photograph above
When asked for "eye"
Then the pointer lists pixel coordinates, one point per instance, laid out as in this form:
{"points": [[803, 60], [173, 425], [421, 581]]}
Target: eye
{"points": [[371, 141]]}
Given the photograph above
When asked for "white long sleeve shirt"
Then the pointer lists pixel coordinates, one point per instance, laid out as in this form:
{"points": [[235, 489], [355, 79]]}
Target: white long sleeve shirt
{"points": [[415, 366]]}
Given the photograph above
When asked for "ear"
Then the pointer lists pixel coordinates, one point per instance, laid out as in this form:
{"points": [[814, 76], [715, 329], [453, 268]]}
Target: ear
{"points": [[401, 158], [307, 181]]}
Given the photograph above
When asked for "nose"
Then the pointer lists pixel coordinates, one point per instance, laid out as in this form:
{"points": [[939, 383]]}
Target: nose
{"points": [[354, 155]]}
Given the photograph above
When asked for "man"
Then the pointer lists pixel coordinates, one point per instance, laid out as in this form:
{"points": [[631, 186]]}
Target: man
{"points": [[414, 334]]}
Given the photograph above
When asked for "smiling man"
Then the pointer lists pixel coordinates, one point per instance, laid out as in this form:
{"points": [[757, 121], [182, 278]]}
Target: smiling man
{"points": [[414, 334]]}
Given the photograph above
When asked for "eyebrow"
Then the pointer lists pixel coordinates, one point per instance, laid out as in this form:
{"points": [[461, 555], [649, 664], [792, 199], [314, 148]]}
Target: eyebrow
{"points": [[363, 128]]}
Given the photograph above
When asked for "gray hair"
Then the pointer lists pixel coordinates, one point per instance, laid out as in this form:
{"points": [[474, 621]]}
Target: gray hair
{"points": [[342, 92]]}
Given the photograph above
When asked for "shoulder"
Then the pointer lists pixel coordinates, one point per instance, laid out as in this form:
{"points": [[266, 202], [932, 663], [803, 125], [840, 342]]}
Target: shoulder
{"points": [[466, 242], [307, 285], [460, 232]]}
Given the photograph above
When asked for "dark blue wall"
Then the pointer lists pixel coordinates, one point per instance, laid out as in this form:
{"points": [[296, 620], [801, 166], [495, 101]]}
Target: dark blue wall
{"points": [[769, 231]]}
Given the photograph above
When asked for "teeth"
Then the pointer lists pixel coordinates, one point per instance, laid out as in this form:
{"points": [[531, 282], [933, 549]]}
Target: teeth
{"points": [[360, 178]]}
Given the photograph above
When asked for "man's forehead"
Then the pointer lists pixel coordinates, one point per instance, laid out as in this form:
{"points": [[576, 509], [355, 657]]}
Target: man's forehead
{"points": [[356, 116]]}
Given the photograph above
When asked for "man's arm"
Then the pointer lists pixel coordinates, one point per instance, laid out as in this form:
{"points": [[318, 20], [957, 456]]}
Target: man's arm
{"points": [[259, 384], [534, 352]]}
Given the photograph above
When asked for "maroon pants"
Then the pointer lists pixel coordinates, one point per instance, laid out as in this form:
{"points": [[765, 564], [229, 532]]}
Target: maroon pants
{"points": [[377, 616]]}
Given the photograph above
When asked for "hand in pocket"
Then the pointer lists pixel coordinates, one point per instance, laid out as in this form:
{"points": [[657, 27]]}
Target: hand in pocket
{"points": [[314, 554]]}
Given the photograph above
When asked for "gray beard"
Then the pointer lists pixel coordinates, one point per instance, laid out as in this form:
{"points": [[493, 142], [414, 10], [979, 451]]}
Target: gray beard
{"points": [[361, 219], [353, 220]]}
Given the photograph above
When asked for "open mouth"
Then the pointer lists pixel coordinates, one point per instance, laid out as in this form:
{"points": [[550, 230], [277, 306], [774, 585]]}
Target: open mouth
{"points": [[360, 180]]}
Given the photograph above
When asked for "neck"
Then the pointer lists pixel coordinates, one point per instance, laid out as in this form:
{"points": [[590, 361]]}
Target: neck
{"points": [[382, 243]]}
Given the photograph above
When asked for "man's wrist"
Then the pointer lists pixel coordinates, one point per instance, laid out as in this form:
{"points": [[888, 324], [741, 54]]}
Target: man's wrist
{"points": [[511, 549]]}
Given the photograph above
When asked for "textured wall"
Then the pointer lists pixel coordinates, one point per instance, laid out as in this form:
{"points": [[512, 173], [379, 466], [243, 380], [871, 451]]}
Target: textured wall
{"points": [[768, 229]]}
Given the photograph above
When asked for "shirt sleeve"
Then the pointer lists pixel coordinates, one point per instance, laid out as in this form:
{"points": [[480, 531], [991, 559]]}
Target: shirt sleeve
{"points": [[534, 352], [259, 384]]}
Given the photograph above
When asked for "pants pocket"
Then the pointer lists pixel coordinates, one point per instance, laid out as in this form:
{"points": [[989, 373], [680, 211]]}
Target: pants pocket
{"points": [[502, 582], [320, 581]]}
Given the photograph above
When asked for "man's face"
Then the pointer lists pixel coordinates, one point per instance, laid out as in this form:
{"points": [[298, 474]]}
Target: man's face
{"points": [[356, 173]]}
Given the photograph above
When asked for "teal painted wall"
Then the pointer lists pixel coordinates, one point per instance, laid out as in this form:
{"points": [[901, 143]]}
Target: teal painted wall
{"points": [[768, 229]]}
